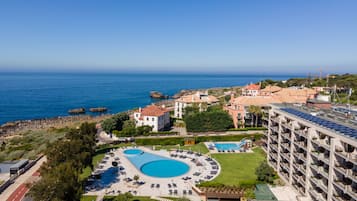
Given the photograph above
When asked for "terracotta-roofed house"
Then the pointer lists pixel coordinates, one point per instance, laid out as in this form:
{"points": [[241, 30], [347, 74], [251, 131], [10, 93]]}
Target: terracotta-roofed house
{"points": [[251, 90], [238, 107], [269, 90], [156, 117], [295, 95], [202, 100]]}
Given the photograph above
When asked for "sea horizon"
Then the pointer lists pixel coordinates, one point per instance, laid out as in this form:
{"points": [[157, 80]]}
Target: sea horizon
{"points": [[37, 95]]}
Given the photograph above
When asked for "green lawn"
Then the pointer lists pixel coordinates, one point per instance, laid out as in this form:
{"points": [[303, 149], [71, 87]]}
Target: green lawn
{"points": [[88, 198], [238, 169], [136, 198], [98, 157]]}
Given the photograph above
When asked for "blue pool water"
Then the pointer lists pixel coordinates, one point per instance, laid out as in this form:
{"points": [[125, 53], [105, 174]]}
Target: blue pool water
{"points": [[133, 151], [227, 146], [156, 166]]}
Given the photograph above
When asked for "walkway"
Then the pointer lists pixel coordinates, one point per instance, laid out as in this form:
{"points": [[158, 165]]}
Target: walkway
{"points": [[17, 190]]}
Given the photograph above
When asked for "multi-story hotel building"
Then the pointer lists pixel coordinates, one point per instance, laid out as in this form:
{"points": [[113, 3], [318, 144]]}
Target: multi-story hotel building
{"points": [[313, 151]]}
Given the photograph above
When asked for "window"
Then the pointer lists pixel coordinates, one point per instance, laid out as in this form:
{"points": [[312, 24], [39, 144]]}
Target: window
{"points": [[147, 118], [153, 119]]}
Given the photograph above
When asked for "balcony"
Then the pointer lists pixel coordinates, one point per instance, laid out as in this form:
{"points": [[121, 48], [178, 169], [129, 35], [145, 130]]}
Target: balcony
{"points": [[275, 119], [301, 132], [275, 129], [315, 195], [319, 183], [287, 126], [347, 156]]}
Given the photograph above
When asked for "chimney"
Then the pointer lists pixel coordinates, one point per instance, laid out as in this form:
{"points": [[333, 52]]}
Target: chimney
{"points": [[140, 109]]}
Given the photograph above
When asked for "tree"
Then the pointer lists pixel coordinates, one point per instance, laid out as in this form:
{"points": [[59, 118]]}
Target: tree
{"points": [[265, 173], [208, 121], [109, 125], [60, 184], [129, 124], [115, 122]]}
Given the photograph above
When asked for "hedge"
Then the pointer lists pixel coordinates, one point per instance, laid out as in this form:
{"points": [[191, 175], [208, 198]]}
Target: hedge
{"points": [[180, 140], [248, 129]]}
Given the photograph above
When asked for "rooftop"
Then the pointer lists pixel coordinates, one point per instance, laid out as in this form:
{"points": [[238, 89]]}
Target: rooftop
{"points": [[252, 87], [153, 110], [198, 98], [328, 119]]}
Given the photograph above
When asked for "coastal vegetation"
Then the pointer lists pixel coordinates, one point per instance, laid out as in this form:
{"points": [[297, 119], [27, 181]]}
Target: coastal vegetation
{"points": [[66, 159], [29, 144]]}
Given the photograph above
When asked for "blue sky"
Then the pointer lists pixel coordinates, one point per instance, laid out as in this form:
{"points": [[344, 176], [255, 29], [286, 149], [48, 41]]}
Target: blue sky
{"points": [[179, 35]]}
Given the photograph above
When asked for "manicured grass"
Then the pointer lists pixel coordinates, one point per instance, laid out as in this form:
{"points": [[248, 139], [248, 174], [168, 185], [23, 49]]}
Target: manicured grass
{"points": [[97, 158], [200, 147], [238, 169], [87, 171], [135, 198], [88, 198]]}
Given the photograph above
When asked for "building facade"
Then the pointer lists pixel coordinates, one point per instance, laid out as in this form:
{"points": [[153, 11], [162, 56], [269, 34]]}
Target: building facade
{"points": [[251, 90], [202, 101], [315, 154], [156, 117]]}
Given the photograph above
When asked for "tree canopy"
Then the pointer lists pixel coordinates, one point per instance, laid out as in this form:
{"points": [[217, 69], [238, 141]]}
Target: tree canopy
{"points": [[265, 173], [116, 122], [208, 121], [66, 159]]}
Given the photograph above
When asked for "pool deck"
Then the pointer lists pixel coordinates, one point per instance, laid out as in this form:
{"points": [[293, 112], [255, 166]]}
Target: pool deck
{"points": [[122, 186], [215, 150]]}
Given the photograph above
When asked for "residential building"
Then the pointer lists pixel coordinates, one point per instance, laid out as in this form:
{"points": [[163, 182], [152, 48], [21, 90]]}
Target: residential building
{"points": [[314, 151], [155, 116], [269, 90], [238, 107], [201, 100], [251, 90]]}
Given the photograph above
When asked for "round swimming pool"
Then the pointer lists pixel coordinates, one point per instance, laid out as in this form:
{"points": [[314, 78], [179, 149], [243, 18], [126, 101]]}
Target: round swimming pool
{"points": [[133, 151], [164, 168]]}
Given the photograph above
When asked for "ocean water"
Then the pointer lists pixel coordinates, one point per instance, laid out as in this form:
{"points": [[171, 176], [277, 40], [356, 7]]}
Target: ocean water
{"points": [[32, 96]]}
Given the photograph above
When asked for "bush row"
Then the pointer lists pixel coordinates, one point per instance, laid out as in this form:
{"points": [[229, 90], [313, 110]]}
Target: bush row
{"points": [[248, 129], [180, 140]]}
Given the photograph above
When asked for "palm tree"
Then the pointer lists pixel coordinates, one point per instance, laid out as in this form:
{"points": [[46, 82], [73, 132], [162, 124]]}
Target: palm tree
{"points": [[258, 114], [252, 110]]}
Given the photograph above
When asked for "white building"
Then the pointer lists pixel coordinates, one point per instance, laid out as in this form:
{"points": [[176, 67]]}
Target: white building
{"points": [[251, 90], [156, 117], [203, 100], [317, 155]]}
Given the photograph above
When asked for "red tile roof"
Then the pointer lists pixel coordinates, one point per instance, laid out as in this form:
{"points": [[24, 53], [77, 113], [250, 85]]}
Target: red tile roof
{"points": [[252, 87], [153, 110]]}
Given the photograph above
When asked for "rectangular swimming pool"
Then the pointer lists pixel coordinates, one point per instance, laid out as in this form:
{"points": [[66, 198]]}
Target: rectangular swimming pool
{"points": [[227, 146]]}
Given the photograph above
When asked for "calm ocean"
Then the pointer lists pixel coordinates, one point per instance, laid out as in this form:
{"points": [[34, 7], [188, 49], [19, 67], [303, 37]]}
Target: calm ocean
{"points": [[30, 95]]}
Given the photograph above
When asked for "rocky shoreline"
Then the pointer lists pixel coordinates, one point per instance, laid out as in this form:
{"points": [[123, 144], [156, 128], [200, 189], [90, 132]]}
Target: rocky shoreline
{"points": [[15, 127], [11, 128]]}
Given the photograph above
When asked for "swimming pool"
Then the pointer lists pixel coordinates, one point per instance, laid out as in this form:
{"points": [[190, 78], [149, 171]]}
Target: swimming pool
{"points": [[227, 146], [133, 151], [156, 166]]}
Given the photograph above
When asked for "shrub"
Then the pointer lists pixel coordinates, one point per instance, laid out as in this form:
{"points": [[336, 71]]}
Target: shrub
{"points": [[208, 121]]}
